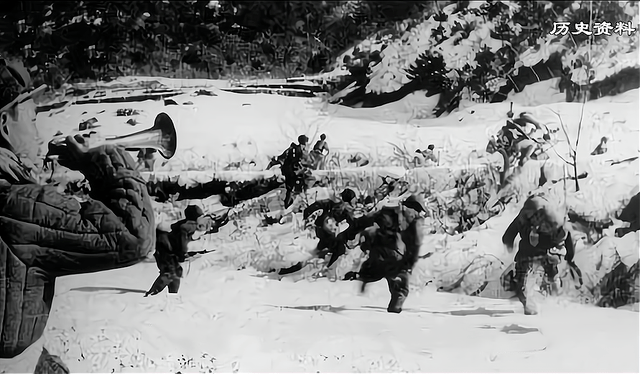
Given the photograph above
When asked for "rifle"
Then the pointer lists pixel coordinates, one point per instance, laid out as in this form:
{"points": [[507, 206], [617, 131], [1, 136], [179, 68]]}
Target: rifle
{"points": [[204, 251]]}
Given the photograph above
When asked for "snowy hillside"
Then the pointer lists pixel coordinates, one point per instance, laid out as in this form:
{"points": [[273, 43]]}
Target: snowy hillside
{"points": [[236, 320]]}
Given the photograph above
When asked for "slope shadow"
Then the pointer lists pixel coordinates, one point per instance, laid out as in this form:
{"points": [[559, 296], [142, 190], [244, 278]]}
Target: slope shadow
{"points": [[517, 329], [364, 308], [117, 290], [477, 312], [511, 329], [315, 308], [467, 312]]}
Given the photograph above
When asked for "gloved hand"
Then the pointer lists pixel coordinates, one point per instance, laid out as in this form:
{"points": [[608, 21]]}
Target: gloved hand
{"points": [[73, 150], [508, 248]]}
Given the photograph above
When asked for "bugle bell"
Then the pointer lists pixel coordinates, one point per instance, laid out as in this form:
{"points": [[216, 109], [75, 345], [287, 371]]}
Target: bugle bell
{"points": [[161, 137]]}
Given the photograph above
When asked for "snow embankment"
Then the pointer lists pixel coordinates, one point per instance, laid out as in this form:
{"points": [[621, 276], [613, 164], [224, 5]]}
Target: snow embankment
{"points": [[215, 131]]}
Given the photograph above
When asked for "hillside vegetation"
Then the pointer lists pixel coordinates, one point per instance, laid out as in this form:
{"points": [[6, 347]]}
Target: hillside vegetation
{"points": [[466, 50]]}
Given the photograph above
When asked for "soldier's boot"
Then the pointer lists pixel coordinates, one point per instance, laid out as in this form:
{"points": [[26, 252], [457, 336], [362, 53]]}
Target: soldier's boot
{"points": [[532, 291], [159, 284], [398, 286], [174, 286]]}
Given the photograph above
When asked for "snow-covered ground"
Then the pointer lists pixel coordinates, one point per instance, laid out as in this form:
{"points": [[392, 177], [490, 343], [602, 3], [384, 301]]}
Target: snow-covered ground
{"points": [[101, 322], [233, 320]]}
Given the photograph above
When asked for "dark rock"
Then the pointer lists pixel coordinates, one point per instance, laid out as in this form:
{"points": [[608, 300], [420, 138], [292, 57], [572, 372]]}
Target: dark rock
{"points": [[88, 124], [127, 112], [205, 93]]}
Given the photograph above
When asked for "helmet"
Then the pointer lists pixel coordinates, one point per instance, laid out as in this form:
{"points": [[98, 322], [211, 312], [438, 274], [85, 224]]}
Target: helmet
{"points": [[192, 212], [323, 137], [347, 195], [303, 139]]}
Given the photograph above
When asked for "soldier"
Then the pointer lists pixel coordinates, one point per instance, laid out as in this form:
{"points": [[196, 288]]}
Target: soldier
{"points": [[326, 226], [428, 154], [320, 151], [171, 250], [601, 148], [146, 159], [295, 168], [545, 237], [630, 215], [45, 234], [393, 237]]}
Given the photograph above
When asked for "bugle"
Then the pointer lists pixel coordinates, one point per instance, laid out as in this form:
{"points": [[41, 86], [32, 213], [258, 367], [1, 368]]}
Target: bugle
{"points": [[161, 137]]}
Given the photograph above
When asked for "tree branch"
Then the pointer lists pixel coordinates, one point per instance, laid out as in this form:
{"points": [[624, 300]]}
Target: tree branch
{"points": [[564, 129]]}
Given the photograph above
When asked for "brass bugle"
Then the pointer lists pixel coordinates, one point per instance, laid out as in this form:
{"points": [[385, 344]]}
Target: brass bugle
{"points": [[161, 137]]}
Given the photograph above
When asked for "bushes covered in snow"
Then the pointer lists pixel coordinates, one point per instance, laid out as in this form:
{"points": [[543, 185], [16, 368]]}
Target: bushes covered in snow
{"points": [[478, 51]]}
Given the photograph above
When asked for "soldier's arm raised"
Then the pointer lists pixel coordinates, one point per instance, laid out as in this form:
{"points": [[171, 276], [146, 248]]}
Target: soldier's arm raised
{"points": [[412, 238], [511, 232]]}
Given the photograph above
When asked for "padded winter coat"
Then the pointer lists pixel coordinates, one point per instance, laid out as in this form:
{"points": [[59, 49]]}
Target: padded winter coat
{"points": [[45, 234], [553, 229], [393, 240]]}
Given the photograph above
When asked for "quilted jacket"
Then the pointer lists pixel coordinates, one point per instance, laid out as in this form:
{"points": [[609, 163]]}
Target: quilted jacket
{"points": [[553, 229], [45, 234]]}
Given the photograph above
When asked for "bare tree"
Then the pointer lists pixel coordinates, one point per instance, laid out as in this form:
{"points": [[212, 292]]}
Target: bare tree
{"points": [[572, 148]]}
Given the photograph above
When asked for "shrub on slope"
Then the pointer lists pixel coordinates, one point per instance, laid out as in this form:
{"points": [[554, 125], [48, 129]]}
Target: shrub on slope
{"points": [[482, 51]]}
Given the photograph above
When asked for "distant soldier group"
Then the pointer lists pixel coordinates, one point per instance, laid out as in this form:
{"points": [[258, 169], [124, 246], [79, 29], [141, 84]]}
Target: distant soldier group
{"points": [[296, 163]]}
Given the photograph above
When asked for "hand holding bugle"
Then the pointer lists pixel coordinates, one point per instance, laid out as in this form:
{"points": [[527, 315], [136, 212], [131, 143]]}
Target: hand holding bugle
{"points": [[162, 137]]}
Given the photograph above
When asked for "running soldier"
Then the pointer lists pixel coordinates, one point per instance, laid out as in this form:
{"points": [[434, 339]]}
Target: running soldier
{"points": [[392, 238], [171, 250], [319, 152], [326, 226], [545, 237], [296, 163]]}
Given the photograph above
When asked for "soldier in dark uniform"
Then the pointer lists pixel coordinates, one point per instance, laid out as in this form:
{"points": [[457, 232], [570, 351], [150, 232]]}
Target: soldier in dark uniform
{"points": [[392, 238], [545, 235], [171, 250], [630, 214], [319, 151], [295, 168], [329, 241]]}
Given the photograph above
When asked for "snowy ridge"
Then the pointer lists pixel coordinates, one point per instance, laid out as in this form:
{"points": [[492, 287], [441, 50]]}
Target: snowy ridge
{"points": [[605, 59]]}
